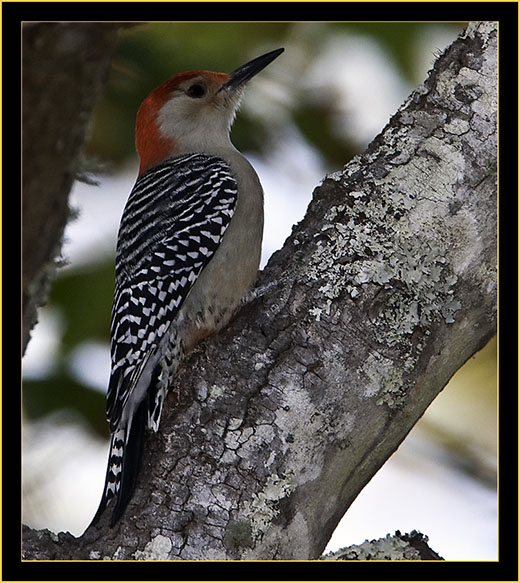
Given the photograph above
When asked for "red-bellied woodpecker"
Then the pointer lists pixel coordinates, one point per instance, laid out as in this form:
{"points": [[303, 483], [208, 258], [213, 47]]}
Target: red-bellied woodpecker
{"points": [[188, 250]]}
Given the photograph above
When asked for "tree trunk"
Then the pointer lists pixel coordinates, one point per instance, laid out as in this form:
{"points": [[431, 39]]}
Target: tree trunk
{"points": [[381, 293], [64, 69]]}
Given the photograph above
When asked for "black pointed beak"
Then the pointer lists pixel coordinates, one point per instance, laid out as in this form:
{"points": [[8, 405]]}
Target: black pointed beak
{"points": [[239, 76]]}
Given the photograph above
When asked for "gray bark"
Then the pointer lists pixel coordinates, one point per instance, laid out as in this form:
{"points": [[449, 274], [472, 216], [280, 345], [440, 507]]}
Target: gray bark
{"points": [[64, 68], [398, 547], [381, 293]]}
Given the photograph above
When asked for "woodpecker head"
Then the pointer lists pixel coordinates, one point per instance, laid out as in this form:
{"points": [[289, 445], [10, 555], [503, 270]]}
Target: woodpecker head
{"points": [[192, 112]]}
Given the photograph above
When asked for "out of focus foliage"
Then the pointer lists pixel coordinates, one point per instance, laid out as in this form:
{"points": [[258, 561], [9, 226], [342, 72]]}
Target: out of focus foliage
{"points": [[150, 53]]}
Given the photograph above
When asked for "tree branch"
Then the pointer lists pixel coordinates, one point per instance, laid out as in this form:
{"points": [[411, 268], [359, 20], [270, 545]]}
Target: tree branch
{"points": [[399, 547], [381, 293], [64, 68]]}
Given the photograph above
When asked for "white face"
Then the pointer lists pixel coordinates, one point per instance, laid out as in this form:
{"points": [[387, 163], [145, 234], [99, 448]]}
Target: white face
{"points": [[198, 113]]}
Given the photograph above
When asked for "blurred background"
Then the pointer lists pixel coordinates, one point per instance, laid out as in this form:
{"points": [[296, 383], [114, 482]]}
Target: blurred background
{"points": [[307, 114]]}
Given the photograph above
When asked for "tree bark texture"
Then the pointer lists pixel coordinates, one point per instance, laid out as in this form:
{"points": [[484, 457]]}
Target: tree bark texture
{"points": [[64, 69], [380, 294]]}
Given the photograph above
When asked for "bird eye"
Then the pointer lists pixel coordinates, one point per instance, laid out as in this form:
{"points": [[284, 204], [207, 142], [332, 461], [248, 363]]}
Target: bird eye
{"points": [[196, 90]]}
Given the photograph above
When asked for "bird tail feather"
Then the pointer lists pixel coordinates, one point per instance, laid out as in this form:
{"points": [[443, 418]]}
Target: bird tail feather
{"points": [[124, 460]]}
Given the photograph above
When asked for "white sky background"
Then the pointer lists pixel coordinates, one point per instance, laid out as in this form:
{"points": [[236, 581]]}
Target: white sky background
{"points": [[456, 512]]}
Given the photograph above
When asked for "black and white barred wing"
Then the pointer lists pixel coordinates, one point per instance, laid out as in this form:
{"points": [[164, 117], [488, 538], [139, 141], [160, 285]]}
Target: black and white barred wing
{"points": [[173, 223]]}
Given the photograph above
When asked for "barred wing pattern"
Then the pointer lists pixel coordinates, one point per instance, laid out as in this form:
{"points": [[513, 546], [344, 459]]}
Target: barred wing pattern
{"points": [[172, 225]]}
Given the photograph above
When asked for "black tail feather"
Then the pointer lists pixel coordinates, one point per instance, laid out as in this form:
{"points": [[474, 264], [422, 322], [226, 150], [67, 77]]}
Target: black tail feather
{"points": [[130, 461], [132, 454]]}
